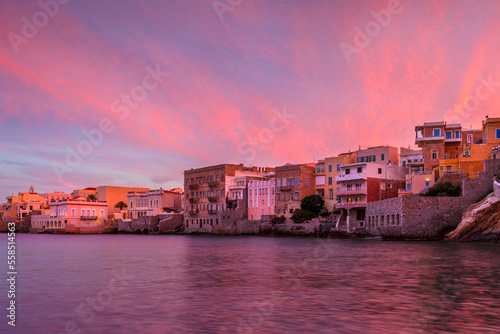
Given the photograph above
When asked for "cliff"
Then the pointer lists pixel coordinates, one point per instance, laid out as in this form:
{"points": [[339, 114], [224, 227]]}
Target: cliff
{"points": [[480, 222]]}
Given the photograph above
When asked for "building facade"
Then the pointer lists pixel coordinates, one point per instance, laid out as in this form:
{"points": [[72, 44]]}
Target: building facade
{"points": [[293, 183], [152, 202], [23, 204], [362, 183], [261, 198], [78, 212], [218, 195]]}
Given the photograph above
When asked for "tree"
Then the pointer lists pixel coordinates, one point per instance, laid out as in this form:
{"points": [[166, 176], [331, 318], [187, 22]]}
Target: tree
{"points": [[313, 204], [299, 216], [444, 189], [92, 198], [120, 205]]}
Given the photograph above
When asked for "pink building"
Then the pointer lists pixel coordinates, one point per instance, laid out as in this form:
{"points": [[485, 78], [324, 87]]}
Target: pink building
{"points": [[261, 197], [77, 212]]}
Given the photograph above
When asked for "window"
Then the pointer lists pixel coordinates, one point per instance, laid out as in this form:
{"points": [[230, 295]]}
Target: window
{"points": [[449, 134], [83, 212], [446, 155], [296, 196], [297, 181], [486, 135], [457, 134], [437, 132], [338, 167], [382, 157], [284, 182], [498, 133], [434, 154], [427, 184], [404, 163], [330, 194], [389, 185], [93, 213], [278, 196], [448, 168], [470, 138], [360, 169], [307, 181], [380, 170], [409, 186], [330, 180], [347, 171], [250, 192], [262, 202], [330, 168], [102, 213], [279, 183]]}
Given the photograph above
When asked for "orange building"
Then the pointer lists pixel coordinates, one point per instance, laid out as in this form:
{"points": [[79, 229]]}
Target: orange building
{"points": [[113, 194]]}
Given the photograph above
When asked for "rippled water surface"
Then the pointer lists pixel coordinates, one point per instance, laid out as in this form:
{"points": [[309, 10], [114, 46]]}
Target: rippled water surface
{"points": [[196, 284]]}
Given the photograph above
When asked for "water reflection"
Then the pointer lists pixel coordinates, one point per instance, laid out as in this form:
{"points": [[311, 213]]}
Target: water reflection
{"points": [[181, 284]]}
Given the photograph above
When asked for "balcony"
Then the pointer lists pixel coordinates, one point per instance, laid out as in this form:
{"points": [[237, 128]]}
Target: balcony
{"points": [[286, 188], [194, 186], [194, 213], [353, 191], [213, 212], [232, 203], [351, 205], [194, 200], [213, 198], [351, 177], [453, 140], [88, 217], [213, 184]]}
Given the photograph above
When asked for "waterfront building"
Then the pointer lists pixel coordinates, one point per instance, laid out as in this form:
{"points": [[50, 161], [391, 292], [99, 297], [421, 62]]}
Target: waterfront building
{"points": [[152, 202], [261, 197], [113, 194], [362, 183], [417, 179], [293, 183], [77, 212], [439, 141], [218, 195], [326, 172], [23, 204], [56, 196]]}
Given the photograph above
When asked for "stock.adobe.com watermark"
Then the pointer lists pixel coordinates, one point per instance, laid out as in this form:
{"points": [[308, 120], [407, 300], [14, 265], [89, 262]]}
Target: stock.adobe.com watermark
{"points": [[263, 138], [372, 29], [121, 107], [32, 25], [482, 92], [223, 6]]}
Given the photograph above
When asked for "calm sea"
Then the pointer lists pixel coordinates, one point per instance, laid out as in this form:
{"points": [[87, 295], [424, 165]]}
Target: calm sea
{"points": [[198, 284]]}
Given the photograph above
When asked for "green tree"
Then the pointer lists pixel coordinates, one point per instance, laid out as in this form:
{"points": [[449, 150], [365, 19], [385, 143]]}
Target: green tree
{"points": [[313, 204], [120, 205], [299, 216], [444, 189], [92, 198]]}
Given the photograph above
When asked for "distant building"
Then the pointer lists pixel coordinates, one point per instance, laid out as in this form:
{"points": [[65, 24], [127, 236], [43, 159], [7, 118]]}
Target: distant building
{"points": [[113, 194], [152, 202], [293, 183], [362, 183], [77, 212], [23, 204], [84, 192], [379, 154], [417, 180], [261, 197], [56, 196], [218, 195]]}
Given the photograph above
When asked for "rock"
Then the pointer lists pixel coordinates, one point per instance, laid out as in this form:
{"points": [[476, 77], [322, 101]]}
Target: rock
{"points": [[481, 222]]}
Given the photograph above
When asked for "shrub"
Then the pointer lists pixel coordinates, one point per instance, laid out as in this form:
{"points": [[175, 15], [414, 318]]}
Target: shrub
{"points": [[313, 204], [444, 189], [299, 216], [278, 220]]}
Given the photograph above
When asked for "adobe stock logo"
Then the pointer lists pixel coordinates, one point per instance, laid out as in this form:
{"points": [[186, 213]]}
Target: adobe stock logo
{"points": [[372, 29], [40, 19]]}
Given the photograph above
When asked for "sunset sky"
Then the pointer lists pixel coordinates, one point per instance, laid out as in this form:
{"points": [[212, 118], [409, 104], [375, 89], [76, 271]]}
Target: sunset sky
{"points": [[223, 74]]}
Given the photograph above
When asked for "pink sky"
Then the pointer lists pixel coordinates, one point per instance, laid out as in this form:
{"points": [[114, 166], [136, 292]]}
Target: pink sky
{"points": [[226, 81]]}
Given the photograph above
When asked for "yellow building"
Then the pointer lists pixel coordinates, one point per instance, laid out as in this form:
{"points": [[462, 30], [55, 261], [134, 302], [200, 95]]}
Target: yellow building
{"points": [[326, 171], [491, 132], [23, 204], [113, 195]]}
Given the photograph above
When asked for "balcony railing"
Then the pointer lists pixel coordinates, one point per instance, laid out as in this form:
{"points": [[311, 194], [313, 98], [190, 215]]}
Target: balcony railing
{"points": [[194, 212], [88, 217], [213, 184], [351, 205], [351, 177], [213, 212], [353, 191], [286, 188], [213, 198], [194, 186], [194, 200]]}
